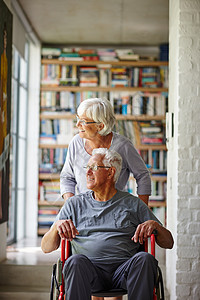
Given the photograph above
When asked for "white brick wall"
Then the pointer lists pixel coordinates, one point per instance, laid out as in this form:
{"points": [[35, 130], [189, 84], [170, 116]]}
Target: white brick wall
{"points": [[183, 212]]}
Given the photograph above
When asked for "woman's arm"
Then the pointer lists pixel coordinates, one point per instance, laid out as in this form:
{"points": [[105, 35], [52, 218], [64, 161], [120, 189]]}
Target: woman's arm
{"points": [[144, 198], [137, 167], [67, 195]]}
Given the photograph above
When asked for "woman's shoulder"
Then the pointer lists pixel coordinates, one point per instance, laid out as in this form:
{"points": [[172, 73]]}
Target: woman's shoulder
{"points": [[76, 140], [120, 140]]}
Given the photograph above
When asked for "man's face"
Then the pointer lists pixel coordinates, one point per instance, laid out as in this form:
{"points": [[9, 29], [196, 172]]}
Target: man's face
{"points": [[96, 180]]}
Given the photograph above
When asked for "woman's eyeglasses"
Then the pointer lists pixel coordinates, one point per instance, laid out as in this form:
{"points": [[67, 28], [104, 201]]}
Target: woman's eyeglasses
{"points": [[83, 122], [95, 167]]}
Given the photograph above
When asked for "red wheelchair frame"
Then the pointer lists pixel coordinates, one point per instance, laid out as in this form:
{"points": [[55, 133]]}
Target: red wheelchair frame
{"points": [[66, 252]]}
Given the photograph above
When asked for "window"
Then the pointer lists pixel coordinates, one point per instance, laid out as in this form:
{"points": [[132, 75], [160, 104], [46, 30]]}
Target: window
{"points": [[19, 106]]}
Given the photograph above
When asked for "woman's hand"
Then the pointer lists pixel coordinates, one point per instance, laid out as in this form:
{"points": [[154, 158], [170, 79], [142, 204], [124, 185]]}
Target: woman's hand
{"points": [[66, 229]]}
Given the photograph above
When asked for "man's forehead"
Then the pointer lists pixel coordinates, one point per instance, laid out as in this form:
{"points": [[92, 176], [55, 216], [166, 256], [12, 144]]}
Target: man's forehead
{"points": [[96, 158]]}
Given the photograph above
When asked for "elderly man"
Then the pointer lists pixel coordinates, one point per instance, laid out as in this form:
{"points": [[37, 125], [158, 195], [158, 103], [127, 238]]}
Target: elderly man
{"points": [[105, 227]]}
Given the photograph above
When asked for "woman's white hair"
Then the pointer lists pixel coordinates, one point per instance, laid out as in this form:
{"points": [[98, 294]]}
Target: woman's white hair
{"points": [[100, 110], [111, 159]]}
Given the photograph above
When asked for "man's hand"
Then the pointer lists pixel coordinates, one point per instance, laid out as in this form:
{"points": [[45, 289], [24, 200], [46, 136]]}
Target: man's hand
{"points": [[66, 229], [144, 230]]}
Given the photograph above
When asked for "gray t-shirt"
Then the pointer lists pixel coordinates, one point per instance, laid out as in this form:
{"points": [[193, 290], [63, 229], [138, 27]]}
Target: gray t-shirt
{"points": [[74, 174], [105, 228]]}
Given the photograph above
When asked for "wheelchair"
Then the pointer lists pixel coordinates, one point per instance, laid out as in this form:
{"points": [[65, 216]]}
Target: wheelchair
{"points": [[57, 291]]}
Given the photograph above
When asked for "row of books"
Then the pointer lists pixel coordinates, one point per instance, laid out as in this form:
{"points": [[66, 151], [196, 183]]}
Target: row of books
{"points": [[139, 103], [155, 160], [46, 217], [85, 54], [65, 101], [59, 101], [50, 168], [158, 189], [57, 131], [49, 191], [126, 103], [150, 77], [52, 156], [152, 132], [57, 126], [88, 76], [61, 131], [133, 131]]}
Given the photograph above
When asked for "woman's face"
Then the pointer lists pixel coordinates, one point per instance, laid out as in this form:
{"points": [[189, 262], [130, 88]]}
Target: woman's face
{"points": [[88, 128]]}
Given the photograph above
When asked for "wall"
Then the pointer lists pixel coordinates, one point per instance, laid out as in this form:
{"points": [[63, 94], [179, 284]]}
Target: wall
{"points": [[183, 201], [3, 228], [33, 142]]}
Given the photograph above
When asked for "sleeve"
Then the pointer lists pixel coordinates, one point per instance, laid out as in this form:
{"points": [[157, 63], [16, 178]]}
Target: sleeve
{"points": [[67, 177], [139, 170], [64, 213]]}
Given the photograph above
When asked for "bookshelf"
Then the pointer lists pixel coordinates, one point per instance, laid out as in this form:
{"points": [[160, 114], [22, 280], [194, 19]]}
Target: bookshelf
{"points": [[61, 96]]}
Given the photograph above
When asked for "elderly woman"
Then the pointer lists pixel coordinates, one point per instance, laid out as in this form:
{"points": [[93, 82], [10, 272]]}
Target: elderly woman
{"points": [[95, 121]]}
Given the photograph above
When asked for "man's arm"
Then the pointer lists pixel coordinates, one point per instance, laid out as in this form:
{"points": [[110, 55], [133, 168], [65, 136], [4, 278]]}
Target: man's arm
{"points": [[163, 237], [51, 240], [64, 229]]}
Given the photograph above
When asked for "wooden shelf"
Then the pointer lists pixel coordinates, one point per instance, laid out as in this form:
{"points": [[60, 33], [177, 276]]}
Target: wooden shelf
{"points": [[58, 115], [151, 147], [53, 146], [159, 178], [139, 63], [53, 88], [138, 147], [154, 178], [140, 117], [157, 203], [49, 176], [47, 203]]}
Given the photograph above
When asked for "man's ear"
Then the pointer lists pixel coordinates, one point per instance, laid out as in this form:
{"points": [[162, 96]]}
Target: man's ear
{"points": [[111, 172]]}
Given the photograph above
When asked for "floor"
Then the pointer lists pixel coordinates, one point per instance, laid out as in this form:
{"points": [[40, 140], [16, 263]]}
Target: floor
{"points": [[28, 252]]}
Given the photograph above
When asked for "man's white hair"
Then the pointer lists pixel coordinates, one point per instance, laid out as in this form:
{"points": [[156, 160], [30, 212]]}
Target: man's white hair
{"points": [[111, 159], [100, 110]]}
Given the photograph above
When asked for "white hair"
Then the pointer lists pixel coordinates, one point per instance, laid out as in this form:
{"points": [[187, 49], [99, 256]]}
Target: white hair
{"points": [[100, 110], [111, 159]]}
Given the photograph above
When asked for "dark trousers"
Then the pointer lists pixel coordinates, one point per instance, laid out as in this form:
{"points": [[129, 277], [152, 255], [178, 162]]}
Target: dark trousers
{"points": [[137, 275]]}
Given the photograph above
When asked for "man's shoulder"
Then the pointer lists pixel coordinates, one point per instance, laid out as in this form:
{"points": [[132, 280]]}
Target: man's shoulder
{"points": [[126, 196], [80, 197]]}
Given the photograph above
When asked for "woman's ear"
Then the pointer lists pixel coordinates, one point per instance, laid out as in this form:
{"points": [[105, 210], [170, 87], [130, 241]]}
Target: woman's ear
{"points": [[100, 126]]}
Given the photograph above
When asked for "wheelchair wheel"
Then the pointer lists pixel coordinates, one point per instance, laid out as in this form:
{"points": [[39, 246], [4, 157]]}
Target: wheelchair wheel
{"points": [[159, 288], [54, 292], [52, 282]]}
